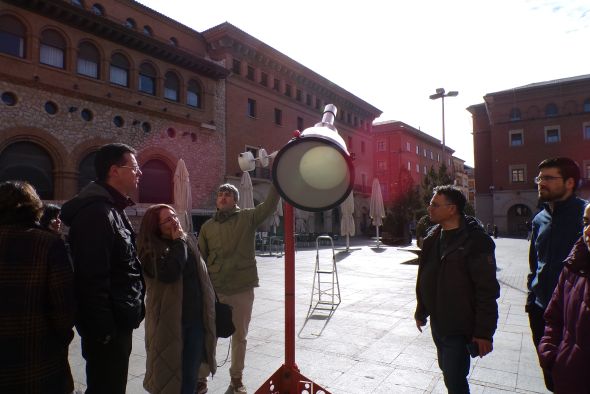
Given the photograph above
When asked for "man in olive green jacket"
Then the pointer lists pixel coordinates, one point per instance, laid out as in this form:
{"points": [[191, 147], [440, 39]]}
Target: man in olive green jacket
{"points": [[227, 244]]}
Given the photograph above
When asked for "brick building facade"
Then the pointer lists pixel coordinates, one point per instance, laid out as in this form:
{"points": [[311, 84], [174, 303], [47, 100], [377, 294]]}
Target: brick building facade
{"points": [[268, 96], [403, 152], [75, 75], [513, 131]]}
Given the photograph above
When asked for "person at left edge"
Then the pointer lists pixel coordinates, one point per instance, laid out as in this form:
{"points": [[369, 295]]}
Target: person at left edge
{"points": [[109, 282], [37, 302]]}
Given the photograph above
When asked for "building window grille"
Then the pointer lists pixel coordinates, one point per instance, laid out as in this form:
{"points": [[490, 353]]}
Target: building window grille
{"points": [[252, 108], [250, 74], [88, 60], [551, 110], [52, 49], [516, 138], [552, 135], [171, 86], [515, 114], [278, 116], [12, 36], [147, 79], [119, 70], [193, 94]]}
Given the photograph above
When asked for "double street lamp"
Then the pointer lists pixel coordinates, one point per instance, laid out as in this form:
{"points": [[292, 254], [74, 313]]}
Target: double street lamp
{"points": [[440, 94]]}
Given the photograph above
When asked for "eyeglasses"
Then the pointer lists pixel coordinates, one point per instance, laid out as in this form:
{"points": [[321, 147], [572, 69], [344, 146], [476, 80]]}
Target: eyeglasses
{"points": [[169, 219], [546, 178], [435, 205], [135, 169]]}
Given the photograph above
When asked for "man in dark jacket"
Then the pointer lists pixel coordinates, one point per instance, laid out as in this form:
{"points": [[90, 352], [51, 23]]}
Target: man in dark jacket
{"points": [[457, 286], [108, 277], [555, 229]]}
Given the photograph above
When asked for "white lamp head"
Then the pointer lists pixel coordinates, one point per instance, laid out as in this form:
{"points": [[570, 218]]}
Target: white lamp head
{"points": [[246, 161]]}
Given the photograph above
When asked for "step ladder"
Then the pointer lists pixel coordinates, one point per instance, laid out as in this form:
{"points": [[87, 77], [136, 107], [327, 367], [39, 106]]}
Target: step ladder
{"points": [[325, 295]]}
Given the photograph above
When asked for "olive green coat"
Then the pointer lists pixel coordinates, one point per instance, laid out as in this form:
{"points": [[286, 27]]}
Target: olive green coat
{"points": [[227, 244]]}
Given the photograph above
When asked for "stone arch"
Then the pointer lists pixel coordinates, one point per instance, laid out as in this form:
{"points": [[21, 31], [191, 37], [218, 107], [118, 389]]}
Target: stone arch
{"points": [[518, 211], [63, 167], [57, 151]]}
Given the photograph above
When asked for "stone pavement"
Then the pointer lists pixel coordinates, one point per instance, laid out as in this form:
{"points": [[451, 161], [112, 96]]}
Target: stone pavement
{"points": [[370, 344]]}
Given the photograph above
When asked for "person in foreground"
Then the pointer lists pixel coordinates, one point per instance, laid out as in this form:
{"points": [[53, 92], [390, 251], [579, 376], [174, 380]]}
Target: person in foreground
{"points": [[555, 229], [180, 305], [226, 242], [37, 306], [109, 281], [457, 287], [564, 350]]}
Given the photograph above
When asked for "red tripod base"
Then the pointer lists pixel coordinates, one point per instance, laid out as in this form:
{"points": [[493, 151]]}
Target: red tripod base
{"points": [[288, 380]]}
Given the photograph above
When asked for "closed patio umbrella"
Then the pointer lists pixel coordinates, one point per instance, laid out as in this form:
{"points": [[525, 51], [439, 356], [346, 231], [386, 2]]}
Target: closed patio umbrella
{"points": [[183, 201], [275, 219], [347, 220], [377, 210], [246, 191]]}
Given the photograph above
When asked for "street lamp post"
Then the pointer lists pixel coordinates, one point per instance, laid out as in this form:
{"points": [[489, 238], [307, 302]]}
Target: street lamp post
{"points": [[440, 94]]}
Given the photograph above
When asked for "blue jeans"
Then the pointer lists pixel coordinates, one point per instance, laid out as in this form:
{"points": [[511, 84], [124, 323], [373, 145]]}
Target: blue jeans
{"points": [[193, 352], [453, 360]]}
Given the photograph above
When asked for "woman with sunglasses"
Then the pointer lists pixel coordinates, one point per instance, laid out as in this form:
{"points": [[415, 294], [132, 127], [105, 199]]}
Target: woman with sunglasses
{"points": [[180, 305]]}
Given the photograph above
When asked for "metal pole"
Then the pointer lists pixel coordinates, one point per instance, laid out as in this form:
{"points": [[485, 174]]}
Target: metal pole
{"points": [[443, 129], [289, 287]]}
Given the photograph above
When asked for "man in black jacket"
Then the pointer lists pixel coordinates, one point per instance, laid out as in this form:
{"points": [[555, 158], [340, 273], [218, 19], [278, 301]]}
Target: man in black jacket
{"points": [[108, 277], [457, 287]]}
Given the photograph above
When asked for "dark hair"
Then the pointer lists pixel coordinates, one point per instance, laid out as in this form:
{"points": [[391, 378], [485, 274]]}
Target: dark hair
{"points": [[50, 212], [567, 168], [228, 187], [19, 202], [453, 195], [149, 239], [109, 155]]}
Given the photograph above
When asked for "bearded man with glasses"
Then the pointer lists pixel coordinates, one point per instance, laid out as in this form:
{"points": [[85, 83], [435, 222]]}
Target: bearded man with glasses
{"points": [[555, 229]]}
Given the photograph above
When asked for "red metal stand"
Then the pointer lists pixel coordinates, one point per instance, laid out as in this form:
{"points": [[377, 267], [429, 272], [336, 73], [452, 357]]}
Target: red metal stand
{"points": [[287, 379]]}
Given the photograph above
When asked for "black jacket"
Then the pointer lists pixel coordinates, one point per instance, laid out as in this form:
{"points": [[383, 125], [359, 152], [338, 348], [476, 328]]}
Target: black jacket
{"points": [[466, 285], [108, 277]]}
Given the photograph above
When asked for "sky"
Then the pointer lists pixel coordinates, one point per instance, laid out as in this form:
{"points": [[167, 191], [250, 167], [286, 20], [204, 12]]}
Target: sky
{"points": [[394, 54]]}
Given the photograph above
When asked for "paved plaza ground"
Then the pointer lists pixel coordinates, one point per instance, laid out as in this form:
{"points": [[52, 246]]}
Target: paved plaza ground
{"points": [[370, 344]]}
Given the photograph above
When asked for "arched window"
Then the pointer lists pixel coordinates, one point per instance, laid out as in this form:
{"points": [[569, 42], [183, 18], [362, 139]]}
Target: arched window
{"points": [[173, 41], [88, 60], [12, 36], [193, 94], [155, 185], [97, 9], [119, 73], [148, 31], [78, 3], [587, 105], [515, 114], [52, 49], [130, 23], [171, 86], [147, 79], [551, 110], [29, 162], [86, 171]]}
